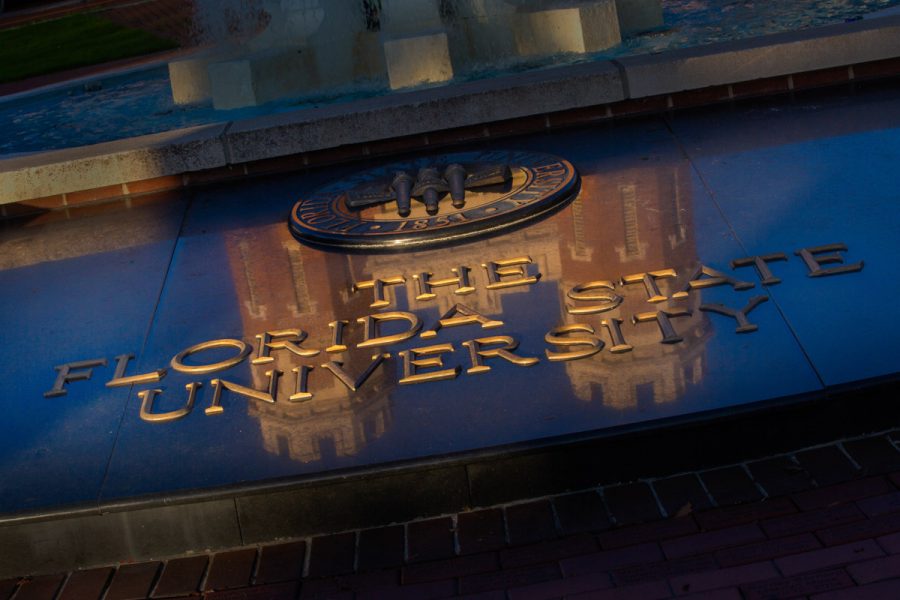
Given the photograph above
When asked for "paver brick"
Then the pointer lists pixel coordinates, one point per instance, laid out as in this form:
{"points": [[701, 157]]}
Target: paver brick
{"points": [[701, 543], [829, 557], [780, 475], [530, 522], [509, 578], [879, 505], [768, 549], [875, 591], [842, 492], [561, 587], [647, 532], [280, 562], [421, 591], [744, 513], [874, 455], [653, 590], [664, 569], [803, 584], [230, 569], [859, 530], [631, 503], [448, 568], [83, 585], [730, 485], [612, 559], [481, 530], [581, 512], [274, 591], [181, 576], [381, 547], [827, 465], [869, 571], [721, 594], [40, 588], [812, 520], [890, 543], [330, 555], [369, 580], [132, 581], [553, 550], [723, 578], [430, 540], [489, 595], [681, 494]]}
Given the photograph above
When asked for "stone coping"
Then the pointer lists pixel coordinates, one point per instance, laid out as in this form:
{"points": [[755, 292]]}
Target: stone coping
{"points": [[513, 104]]}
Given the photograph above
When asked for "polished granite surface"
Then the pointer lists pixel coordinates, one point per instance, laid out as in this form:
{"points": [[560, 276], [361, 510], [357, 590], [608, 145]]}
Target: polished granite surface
{"points": [[704, 189]]}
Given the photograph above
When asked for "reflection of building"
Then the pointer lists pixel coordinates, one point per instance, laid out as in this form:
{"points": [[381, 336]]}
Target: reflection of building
{"points": [[284, 285], [624, 222]]}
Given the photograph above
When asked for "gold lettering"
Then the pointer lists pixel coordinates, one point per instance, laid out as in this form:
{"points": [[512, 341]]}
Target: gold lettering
{"points": [[662, 318], [582, 291], [372, 327], [468, 317], [556, 337], [215, 407], [337, 337], [301, 387], [412, 365], [477, 353], [814, 263], [66, 375], [282, 339], [177, 362], [762, 268], [147, 397], [744, 326], [119, 378], [614, 327], [510, 272], [336, 369], [426, 284], [713, 278], [649, 280], [377, 286]]}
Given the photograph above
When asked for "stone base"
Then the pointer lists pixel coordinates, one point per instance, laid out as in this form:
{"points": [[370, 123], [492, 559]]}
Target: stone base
{"points": [[638, 16], [261, 78], [580, 29], [417, 60], [189, 80]]}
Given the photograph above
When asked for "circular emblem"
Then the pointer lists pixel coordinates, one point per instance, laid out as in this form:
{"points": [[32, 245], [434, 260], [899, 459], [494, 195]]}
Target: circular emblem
{"points": [[434, 200]]}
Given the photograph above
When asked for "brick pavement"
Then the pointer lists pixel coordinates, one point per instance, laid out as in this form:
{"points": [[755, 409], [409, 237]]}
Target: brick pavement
{"points": [[820, 523]]}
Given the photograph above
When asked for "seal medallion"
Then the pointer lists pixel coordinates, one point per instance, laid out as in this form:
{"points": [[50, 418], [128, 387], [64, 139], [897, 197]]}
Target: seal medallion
{"points": [[434, 200]]}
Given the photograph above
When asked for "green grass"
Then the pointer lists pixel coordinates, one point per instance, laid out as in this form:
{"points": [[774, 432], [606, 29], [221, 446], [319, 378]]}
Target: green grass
{"points": [[73, 41]]}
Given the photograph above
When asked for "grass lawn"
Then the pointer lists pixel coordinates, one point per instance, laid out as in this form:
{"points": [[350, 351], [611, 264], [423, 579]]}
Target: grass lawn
{"points": [[73, 41]]}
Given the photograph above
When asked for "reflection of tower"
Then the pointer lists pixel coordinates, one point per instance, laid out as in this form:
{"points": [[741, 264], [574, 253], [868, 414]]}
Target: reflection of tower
{"points": [[624, 222], [283, 285]]}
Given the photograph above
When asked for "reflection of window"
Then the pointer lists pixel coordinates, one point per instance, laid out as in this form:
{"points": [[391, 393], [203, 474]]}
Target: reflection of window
{"points": [[633, 248], [327, 448], [644, 394], [284, 446]]}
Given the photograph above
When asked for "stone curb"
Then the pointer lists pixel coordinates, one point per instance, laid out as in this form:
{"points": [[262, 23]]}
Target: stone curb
{"points": [[494, 107]]}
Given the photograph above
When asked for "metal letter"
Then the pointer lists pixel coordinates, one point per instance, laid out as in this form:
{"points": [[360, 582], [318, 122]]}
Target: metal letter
{"points": [[425, 284], [582, 292], [665, 325], [243, 349], [744, 326], [412, 365], [762, 269], [65, 375], [283, 339], [555, 338], [696, 281], [649, 280], [215, 407], [813, 263], [511, 267], [147, 397], [614, 327], [477, 353], [337, 337], [377, 286], [337, 370], [301, 388], [468, 317], [119, 378], [372, 322]]}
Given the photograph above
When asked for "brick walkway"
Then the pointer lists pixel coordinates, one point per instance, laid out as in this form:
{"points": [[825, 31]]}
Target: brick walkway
{"points": [[821, 522]]}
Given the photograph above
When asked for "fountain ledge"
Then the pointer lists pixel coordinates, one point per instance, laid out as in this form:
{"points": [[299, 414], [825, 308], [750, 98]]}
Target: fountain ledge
{"points": [[440, 116]]}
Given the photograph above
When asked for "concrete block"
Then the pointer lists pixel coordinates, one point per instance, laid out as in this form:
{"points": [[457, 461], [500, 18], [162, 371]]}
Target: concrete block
{"points": [[189, 80], [638, 16], [580, 29], [766, 56], [262, 77], [416, 60], [481, 40]]}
